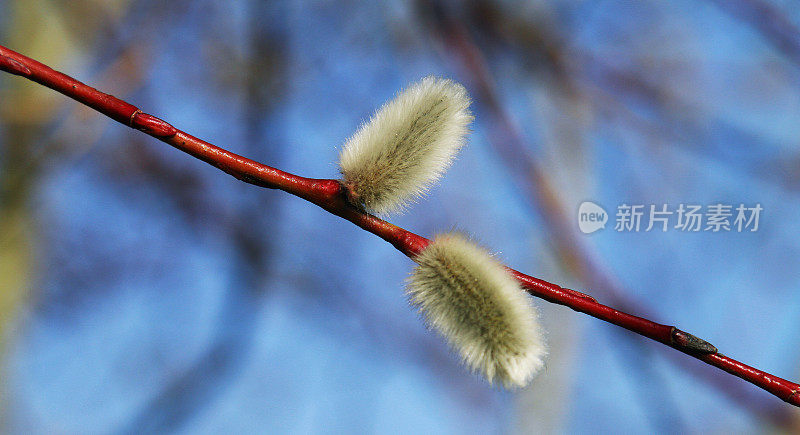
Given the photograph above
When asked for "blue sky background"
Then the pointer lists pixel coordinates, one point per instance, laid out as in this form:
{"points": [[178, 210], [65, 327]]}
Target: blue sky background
{"points": [[167, 296]]}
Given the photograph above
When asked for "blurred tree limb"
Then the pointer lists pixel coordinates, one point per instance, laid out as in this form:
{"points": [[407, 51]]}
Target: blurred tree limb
{"points": [[545, 53]]}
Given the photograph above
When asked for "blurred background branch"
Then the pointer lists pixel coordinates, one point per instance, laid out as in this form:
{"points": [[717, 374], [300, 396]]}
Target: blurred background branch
{"points": [[496, 26]]}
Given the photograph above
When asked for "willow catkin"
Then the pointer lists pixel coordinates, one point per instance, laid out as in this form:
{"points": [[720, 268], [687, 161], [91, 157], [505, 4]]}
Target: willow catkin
{"points": [[480, 309], [406, 145]]}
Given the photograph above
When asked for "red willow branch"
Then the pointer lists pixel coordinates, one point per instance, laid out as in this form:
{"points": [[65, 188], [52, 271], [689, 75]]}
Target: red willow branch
{"points": [[330, 195]]}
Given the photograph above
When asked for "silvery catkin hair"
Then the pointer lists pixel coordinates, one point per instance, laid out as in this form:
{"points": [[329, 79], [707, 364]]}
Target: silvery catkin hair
{"points": [[480, 309], [406, 145]]}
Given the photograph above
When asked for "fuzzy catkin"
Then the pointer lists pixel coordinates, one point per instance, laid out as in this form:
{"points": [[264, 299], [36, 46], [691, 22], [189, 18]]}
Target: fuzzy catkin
{"points": [[480, 309], [406, 145]]}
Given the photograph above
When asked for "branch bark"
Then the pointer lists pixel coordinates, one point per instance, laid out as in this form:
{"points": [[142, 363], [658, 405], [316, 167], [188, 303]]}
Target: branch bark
{"points": [[330, 195]]}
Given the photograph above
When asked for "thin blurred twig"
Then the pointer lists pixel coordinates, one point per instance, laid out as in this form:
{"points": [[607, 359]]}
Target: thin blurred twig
{"points": [[767, 20]]}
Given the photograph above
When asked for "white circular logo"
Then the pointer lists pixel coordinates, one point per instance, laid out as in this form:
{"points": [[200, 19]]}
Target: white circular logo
{"points": [[591, 217]]}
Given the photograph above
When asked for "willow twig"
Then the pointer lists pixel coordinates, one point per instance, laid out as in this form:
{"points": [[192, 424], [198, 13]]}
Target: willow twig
{"points": [[330, 195]]}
